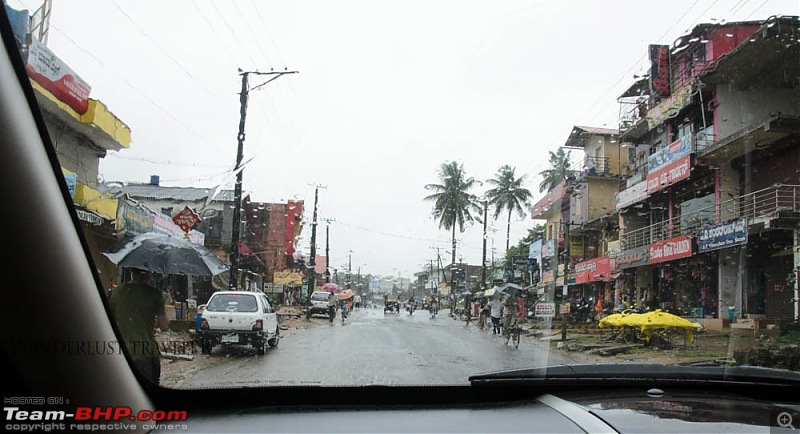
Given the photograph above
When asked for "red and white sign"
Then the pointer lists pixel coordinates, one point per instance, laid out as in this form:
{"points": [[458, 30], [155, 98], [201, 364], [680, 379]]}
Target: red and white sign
{"points": [[669, 174], [668, 250], [45, 68], [594, 270], [186, 219]]}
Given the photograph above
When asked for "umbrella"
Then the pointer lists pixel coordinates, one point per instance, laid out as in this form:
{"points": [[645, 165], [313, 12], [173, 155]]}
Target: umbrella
{"points": [[344, 295], [165, 254], [491, 292], [330, 287], [510, 289]]}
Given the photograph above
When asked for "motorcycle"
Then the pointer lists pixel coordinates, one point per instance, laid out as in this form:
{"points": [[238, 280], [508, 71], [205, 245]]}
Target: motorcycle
{"points": [[580, 313], [411, 307]]}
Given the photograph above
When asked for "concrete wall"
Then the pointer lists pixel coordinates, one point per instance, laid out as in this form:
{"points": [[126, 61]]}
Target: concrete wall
{"points": [[738, 109], [75, 153]]}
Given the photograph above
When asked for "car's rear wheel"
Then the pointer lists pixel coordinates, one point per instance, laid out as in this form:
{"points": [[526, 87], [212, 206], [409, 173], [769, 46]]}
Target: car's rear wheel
{"points": [[276, 340]]}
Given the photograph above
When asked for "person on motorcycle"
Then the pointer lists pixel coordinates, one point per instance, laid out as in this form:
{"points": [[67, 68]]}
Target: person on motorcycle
{"points": [[345, 306], [434, 305], [412, 304]]}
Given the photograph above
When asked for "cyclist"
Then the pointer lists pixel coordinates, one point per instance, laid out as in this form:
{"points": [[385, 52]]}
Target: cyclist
{"points": [[509, 313]]}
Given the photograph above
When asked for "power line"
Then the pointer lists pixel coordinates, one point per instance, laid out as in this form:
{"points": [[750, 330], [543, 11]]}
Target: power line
{"points": [[166, 53], [255, 36], [232, 32], [135, 89], [269, 36], [214, 30]]}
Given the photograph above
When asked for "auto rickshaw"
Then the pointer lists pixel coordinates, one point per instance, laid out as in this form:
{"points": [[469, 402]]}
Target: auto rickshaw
{"points": [[391, 305]]}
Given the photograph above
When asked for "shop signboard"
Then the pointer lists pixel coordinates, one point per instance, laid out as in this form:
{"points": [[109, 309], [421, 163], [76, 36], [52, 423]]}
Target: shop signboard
{"points": [[631, 258], [187, 219], [287, 277], [670, 107], [47, 69], [632, 195], [732, 233], [576, 250], [668, 250], [548, 276], [164, 225], [545, 310], [676, 171], [133, 219], [535, 250], [659, 70], [593, 270], [677, 149]]}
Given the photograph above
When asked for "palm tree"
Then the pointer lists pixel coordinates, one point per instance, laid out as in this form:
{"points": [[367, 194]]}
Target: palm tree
{"points": [[452, 199], [508, 194], [558, 171]]}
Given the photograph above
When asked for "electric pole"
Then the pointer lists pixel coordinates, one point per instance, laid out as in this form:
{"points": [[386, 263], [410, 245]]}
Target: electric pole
{"points": [[233, 283], [327, 249], [312, 262], [483, 262]]}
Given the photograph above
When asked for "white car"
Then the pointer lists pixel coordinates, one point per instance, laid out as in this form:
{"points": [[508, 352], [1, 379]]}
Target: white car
{"points": [[239, 318], [321, 302]]}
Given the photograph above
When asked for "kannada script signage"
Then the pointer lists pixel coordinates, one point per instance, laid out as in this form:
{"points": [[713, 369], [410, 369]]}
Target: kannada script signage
{"points": [[47, 69], [668, 154], [632, 195], [668, 250], [669, 174], [631, 258], [732, 233], [593, 270]]}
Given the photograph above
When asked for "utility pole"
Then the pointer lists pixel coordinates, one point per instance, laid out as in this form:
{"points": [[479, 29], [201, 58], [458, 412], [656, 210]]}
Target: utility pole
{"points": [[237, 191], [327, 248], [564, 316], [349, 268], [483, 261], [312, 274]]}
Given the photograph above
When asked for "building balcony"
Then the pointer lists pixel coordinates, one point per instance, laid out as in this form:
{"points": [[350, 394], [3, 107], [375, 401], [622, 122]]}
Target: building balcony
{"points": [[779, 201]]}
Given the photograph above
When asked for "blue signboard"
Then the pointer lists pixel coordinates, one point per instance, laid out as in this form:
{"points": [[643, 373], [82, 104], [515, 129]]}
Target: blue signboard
{"points": [[732, 233], [668, 154]]}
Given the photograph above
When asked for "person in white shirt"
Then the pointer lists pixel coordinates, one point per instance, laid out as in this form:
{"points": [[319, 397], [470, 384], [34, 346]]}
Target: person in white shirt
{"points": [[496, 307]]}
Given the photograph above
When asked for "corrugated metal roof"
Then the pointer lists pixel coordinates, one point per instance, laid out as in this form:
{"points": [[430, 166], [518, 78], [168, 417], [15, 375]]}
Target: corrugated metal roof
{"points": [[149, 191], [579, 134]]}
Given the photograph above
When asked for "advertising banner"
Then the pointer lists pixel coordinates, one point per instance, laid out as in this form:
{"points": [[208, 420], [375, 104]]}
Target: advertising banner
{"points": [[545, 310], [659, 70], [670, 107], [668, 154], [593, 270], [576, 250], [632, 195], [45, 68], [631, 258], [133, 219], [732, 233], [669, 174], [164, 225], [668, 250], [287, 277]]}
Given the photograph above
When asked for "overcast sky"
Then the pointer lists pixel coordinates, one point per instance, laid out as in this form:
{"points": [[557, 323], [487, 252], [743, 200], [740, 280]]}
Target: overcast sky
{"points": [[386, 92]]}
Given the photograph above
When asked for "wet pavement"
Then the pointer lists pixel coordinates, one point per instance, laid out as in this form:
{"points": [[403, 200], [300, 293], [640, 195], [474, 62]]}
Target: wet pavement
{"points": [[373, 347]]}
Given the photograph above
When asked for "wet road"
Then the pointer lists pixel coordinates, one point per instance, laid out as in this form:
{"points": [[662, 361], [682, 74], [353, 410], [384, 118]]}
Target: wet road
{"points": [[377, 348]]}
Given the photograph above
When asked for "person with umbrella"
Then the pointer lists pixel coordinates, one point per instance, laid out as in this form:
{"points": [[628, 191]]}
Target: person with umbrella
{"points": [[135, 304]]}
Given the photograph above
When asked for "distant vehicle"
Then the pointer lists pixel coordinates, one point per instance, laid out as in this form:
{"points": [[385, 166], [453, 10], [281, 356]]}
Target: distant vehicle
{"points": [[239, 318], [321, 302]]}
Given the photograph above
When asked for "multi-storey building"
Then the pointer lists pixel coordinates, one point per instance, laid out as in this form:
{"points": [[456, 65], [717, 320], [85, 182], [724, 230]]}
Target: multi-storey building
{"points": [[705, 221], [709, 210]]}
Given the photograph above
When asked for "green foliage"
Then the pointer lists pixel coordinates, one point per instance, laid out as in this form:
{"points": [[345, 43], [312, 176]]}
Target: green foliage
{"points": [[453, 203], [508, 194], [558, 171]]}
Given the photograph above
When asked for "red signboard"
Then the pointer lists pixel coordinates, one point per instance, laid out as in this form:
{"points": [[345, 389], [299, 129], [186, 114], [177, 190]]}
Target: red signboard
{"points": [[668, 250], [669, 174], [45, 68], [186, 219], [594, 270], [659, 70]]}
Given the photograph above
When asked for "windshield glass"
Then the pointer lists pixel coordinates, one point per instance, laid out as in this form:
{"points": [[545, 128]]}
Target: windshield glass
{"points": [[483, 186], [232, 303], [320, 296]]}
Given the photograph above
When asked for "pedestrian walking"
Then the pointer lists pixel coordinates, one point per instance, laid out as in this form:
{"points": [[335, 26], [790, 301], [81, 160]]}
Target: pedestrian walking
{"points": [[495, 310], [483, 312], [135, 305]]}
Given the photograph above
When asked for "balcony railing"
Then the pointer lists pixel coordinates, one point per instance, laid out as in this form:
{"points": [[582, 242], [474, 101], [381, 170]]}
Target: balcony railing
{"points": [[592, 166], [769, 202]]}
